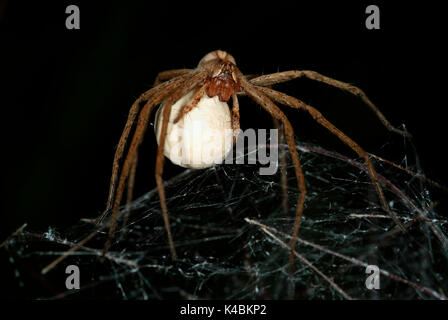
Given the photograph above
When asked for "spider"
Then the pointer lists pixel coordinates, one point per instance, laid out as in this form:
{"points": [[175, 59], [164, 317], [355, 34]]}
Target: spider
{"points": [[218, 77]]}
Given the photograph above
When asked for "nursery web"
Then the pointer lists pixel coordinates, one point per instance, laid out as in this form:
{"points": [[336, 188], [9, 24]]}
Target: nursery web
{"points": [[231, 233]]}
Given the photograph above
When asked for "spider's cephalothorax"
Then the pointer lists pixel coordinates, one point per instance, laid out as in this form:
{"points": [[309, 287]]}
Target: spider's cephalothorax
{"points": [[223, 75]]}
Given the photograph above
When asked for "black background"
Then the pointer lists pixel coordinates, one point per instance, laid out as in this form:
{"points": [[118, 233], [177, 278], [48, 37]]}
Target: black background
{"points": [[65, 94]]}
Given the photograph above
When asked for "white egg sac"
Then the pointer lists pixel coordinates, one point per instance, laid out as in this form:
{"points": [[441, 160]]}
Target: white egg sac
{"points": [[202, 137]]}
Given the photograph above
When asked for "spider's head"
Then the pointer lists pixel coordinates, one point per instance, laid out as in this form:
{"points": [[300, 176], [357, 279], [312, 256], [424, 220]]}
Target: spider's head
{"points": [[217, 55], [223, 74]]}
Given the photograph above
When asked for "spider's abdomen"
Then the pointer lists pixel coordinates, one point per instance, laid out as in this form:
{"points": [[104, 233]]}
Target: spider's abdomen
{"points": [[202, 137]]}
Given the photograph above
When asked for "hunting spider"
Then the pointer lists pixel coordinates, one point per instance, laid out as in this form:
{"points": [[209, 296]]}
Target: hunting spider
{"points": [[217, 77]]}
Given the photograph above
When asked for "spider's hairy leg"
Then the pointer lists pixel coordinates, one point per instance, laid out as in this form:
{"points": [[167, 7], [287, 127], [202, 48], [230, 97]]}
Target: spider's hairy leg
{"points": [[276, 113], [118, 154], [235, 117], [283, 166], [137, 138], [131, 179], [189, 85], [297, 104], [169, 74], [279, 77], [124, 136], [130, 189]]}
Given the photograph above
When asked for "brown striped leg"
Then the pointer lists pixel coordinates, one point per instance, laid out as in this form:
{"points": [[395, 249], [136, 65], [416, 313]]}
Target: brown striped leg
{"points": [[193, 103], [142, 124], [235, 117], [167, 86], [296, 103], [182, 91], [167, 75], [279, 77], [276, 113], [118, 154]]}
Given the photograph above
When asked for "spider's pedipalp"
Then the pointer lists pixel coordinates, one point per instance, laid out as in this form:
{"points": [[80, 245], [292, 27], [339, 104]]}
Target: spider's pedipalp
{"points": [[167, 75], [143, 118], [319, 118], [134, 111], [265, 101], [197, 80]]}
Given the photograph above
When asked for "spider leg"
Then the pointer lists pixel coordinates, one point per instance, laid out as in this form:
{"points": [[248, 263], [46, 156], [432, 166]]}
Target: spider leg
{"points": [[235, 117], [182, 91], [279, 77], [124, 137], [283, 167], [276, 113], [137, 138], [297, 104], [169, 74]]}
